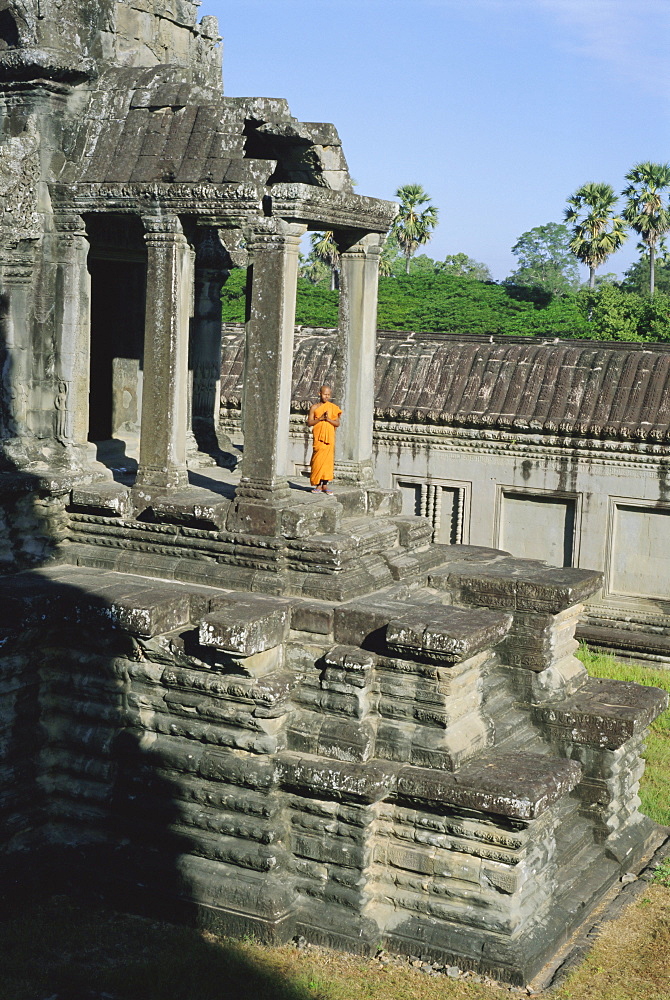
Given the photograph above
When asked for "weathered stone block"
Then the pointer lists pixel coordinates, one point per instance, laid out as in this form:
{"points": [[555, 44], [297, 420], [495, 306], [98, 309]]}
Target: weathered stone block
{"points": [[361, 622], [604, 713], [517, 584], [341, 781], [249, 625], [413, 532], [110, 499], [517, 785], [446, 634], [310, 616], [191, 508]]}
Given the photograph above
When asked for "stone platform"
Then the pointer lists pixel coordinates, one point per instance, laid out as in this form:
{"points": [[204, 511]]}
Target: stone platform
{"points": [[427, 767], [334, 547]]}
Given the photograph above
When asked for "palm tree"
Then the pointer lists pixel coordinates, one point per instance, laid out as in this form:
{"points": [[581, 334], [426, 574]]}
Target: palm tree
{"points": [[324, 248], [412, 228], [389, 255], [645, 212], [596, 231]]}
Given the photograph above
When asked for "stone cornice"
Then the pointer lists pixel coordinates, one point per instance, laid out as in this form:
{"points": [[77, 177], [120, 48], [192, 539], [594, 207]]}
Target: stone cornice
{"points": [[332, 209], [449, 439], [235, 204]]}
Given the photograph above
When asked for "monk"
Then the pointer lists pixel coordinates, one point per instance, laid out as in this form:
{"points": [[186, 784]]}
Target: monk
{"points": [[323, 418]]}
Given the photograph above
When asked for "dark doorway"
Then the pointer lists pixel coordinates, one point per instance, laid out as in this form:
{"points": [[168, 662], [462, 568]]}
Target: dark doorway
{"points": [[9, 33], [117, 265]]}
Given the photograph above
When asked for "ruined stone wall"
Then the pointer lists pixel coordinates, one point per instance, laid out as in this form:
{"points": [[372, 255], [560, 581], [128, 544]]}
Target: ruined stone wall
{"points": [[76, 39], [155, 32]]}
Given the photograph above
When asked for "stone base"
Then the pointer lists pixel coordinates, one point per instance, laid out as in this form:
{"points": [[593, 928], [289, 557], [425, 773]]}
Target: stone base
{"points": [[329, 547], [361, 772]]}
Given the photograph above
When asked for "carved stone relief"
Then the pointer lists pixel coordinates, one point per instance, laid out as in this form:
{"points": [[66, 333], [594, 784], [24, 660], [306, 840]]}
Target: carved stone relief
{"points": [[19, 176]]}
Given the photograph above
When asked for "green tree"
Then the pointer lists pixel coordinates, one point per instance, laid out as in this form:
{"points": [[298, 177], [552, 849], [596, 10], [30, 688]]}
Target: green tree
{"points": [[596, 231], [645, 211], [654, 321], [612, 314], [389, 257], [545, 260], [314, 270], [637, 277], [324, 249], [413, 225], [461, 266]]}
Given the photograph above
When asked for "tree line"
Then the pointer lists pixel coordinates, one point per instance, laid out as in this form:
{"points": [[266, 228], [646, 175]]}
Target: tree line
{"points": [[542, 296]]}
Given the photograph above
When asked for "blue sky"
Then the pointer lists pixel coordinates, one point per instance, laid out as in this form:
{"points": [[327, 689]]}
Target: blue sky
{"points": [[499, 108]]}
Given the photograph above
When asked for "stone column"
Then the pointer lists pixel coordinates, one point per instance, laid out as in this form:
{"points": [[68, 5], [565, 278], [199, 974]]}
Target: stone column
{"points": [[165, 384], [359, 280], [212, 268], [72, 331], [274, 246], [17, 275]]}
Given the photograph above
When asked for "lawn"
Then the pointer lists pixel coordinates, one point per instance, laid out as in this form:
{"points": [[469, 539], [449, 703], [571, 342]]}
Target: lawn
{"points": [[655, 788]]}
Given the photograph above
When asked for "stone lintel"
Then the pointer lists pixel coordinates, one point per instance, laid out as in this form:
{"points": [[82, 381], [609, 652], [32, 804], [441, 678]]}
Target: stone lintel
{"points": [[327, 209], [604, 713]]}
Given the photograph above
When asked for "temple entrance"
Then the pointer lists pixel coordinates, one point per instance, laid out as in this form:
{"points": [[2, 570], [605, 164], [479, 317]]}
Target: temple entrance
{"points": [[117, 266]]}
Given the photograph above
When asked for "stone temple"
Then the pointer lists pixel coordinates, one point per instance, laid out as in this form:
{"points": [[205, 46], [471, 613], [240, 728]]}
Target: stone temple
{"points": [[224, 698]]}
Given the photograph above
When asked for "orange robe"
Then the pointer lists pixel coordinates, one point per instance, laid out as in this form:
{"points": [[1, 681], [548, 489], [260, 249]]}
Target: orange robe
{"points": [[323, 454]]}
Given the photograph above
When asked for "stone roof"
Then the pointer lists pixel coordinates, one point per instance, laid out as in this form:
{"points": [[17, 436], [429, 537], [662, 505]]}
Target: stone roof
{"points": [[160, 131], [153, 135], [571, 387]]}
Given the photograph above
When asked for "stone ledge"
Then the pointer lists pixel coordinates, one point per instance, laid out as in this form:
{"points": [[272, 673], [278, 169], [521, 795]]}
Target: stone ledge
{"points": [[628, 641], [140, 607], [446, 634], [515, 584], [338, 780], [245, 624], [107, 499], [517, 785], [604, 713], [437, 633]]}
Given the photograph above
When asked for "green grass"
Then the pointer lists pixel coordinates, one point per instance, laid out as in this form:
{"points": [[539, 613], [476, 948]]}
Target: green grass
{"points": [[655, 787]]}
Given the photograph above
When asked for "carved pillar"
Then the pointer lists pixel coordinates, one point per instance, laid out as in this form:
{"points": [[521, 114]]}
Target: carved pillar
{"points": [[274, 247], [359, 281], [212, 268], [72, 331], [17, 275], [165, 383]]}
